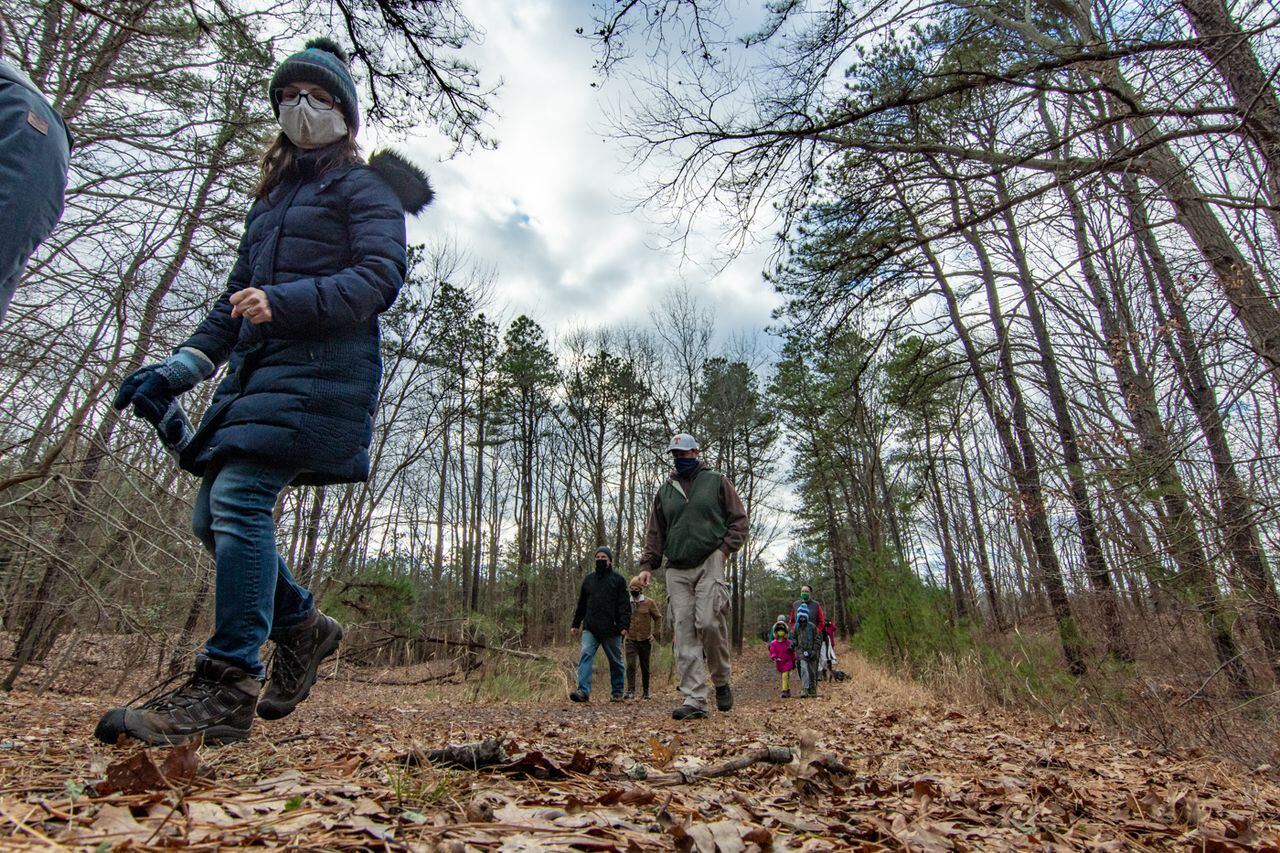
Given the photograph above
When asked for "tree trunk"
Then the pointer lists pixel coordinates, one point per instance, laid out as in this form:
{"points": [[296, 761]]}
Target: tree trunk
{"points": [[1227, 47], [1095, 562], [1182, 538], [980, 540], [959, 601], [1023, 466], [1235, 508]]}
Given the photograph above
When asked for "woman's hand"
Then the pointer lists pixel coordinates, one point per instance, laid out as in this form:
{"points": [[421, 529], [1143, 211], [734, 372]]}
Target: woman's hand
{"points": [[251, 303]]}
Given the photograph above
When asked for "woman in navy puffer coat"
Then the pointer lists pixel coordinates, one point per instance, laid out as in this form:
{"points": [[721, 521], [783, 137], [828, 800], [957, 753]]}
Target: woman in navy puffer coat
{"points": [[323, 254]]}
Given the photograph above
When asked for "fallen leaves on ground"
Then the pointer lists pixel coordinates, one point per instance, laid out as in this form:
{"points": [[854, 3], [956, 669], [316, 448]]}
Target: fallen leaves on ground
{"points": [[351, 770], [139, 772]]}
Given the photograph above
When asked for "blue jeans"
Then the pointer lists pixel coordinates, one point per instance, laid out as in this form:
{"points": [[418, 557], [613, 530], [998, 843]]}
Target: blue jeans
{"points": [[34, 154], [612, 650], [254, 592]]}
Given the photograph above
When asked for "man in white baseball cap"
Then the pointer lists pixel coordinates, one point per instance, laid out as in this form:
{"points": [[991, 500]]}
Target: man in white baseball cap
{"points": [[697, 520], [684, 442]]}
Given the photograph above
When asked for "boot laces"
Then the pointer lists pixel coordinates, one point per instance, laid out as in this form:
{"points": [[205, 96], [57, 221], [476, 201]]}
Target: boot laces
{"points": [[287, 664], [192, 691]]}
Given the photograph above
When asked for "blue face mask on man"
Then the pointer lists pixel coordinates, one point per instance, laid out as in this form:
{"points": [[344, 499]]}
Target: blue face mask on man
{"points": [[686, 465]]}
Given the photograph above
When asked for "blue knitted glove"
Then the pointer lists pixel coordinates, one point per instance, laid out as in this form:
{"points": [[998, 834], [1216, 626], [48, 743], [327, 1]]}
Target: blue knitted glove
{"points": [[175, 429], [154, 388]]}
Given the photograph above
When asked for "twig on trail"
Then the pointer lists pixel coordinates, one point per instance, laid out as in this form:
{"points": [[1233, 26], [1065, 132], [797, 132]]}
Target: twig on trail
{"points": [[293, 738], [765, 754], [829, 762], [472, 756], [32, 832]]}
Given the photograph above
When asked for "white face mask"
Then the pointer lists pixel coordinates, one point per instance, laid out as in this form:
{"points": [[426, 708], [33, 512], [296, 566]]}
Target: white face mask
{"points": [[309, 127]]}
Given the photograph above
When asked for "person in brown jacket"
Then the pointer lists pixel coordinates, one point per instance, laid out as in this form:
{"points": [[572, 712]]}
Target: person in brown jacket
{"points": [[696, 522], [645, 618]]}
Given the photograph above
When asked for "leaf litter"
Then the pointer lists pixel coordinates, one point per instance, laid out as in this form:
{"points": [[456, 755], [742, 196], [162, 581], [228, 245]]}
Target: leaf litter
{"points": [[361, 767]]}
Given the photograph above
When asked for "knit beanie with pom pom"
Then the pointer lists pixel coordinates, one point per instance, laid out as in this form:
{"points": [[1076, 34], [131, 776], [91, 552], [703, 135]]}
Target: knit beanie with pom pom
{"points": [[323, 63]]}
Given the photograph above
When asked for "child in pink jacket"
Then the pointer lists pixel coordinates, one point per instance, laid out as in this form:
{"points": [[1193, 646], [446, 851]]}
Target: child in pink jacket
{"points": [[783, 656]]}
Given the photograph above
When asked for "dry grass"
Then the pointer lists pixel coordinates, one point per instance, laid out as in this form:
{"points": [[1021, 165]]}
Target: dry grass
{"points": [[1172, 697], [892, 691]]}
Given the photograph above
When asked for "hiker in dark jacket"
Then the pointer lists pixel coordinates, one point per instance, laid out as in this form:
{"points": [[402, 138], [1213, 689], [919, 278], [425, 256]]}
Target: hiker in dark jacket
{"points": [[807, 641], [35, 151], [323, 254], [602, 616], [697, 521]]}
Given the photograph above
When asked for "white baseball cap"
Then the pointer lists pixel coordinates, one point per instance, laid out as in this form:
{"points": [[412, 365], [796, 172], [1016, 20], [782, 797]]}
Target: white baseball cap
{"points": [[683, 441]]}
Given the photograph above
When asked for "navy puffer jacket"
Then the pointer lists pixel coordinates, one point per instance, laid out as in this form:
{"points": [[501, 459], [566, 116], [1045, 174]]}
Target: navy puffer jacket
{"points": [[329, 252]]}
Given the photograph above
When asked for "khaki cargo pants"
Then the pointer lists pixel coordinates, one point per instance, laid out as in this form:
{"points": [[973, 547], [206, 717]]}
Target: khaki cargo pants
{"points": [[698, 607]]}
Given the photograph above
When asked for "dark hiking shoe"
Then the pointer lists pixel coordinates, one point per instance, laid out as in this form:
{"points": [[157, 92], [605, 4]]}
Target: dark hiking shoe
{"points": [[724, 698], [786, 694], [579, 696], [646, 696], [630, 694], [688, 712], [294, 662], [216, 702], [617, 697]]}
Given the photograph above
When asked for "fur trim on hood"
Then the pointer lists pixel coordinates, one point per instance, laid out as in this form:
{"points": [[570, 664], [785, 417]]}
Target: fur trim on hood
{"points": [[409, 182]]}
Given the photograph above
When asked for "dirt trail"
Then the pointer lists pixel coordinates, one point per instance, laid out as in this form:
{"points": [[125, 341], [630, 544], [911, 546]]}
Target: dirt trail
{"points": [[916, 775]]}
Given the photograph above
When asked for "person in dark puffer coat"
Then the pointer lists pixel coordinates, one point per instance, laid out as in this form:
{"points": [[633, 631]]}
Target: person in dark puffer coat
{"points": [[323, 254]]}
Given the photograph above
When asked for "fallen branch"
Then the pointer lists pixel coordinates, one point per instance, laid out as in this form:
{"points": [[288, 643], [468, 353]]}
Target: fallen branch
{"points": [[486, 753], [763, 755]]}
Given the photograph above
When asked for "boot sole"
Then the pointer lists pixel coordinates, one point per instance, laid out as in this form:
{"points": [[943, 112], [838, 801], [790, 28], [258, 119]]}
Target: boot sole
{"points": [[114, 724], [696, 715], [276, 712]]}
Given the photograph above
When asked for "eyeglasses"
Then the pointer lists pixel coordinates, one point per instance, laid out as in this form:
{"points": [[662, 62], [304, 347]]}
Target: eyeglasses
{"points": [[319, 98]]}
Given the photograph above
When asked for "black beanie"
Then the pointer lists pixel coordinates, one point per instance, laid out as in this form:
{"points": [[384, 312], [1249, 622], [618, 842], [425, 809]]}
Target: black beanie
{"points": [[323, 63]]}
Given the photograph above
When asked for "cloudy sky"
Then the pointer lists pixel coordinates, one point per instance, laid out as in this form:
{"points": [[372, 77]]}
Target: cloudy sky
{"points": [[548, 209]]}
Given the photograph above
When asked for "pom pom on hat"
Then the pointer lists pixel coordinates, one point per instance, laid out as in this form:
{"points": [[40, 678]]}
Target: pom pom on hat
{"points": [[325, 43]]}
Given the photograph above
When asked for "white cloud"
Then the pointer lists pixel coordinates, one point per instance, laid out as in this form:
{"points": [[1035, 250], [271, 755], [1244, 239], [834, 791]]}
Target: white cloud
{"points": [[548, 209]]}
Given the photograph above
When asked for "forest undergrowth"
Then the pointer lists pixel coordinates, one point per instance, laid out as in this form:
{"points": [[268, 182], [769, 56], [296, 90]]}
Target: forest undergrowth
{"points": [[876, 762]]}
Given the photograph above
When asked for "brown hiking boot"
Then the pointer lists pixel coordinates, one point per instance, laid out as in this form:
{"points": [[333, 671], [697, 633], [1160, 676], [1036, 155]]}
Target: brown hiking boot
{"points": [[216, 702], [294, 663]]}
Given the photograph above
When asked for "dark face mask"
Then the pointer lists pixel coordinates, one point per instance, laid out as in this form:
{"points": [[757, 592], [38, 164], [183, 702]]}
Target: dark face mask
{"points": [[686, 465], [602, 566], [635, 593]]}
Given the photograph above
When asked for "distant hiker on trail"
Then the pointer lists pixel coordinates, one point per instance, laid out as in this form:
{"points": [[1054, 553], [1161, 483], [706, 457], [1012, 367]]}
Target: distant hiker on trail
{"points": [[603, 615], [696, 522], [827, 660], [35, 151], [815, 609], [323, 254], [784, 657], [807, 640], [645, 618]]}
